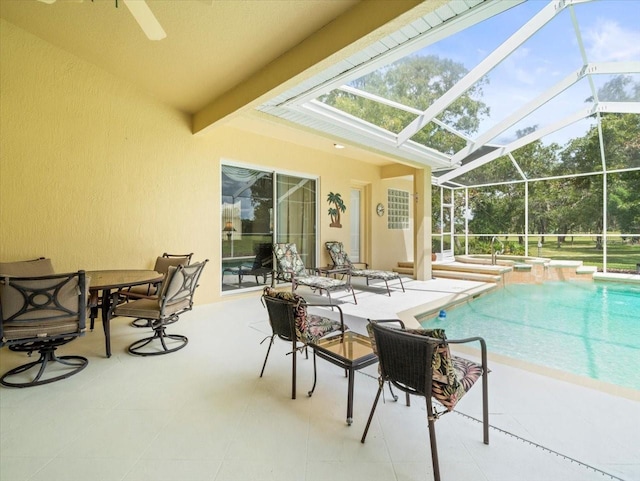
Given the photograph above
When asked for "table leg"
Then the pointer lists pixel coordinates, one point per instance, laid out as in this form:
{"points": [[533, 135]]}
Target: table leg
{"points": [[350, 396], [106, 320]]}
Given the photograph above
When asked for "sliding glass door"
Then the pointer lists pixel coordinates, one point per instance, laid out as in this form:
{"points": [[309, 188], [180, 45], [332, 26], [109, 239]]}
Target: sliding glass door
{"points": [[252, 221]]}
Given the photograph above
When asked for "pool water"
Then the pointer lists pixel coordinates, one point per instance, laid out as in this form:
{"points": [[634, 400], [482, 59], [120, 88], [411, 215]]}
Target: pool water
{"points": [[589, 329]]}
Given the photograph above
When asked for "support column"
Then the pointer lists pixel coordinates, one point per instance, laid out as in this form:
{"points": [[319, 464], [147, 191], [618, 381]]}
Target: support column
{"points": [[422, 224]]}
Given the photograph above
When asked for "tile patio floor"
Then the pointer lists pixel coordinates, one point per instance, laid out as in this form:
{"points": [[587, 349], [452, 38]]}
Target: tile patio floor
{"points": [[204, 414]]}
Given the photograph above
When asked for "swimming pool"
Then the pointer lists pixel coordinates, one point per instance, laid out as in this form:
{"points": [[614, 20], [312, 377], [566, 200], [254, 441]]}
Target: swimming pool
{"points": [[585, 328]]}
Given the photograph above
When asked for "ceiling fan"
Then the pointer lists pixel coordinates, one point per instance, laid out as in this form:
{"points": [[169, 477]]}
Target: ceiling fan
{"points": [[143, 15]]}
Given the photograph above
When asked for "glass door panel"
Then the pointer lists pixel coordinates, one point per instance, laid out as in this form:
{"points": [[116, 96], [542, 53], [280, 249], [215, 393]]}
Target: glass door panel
{"points": [[296, 215], [247, 223]]}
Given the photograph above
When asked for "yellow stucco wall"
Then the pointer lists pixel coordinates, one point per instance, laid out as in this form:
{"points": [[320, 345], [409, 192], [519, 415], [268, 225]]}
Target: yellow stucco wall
{"points": [[97, 175]]}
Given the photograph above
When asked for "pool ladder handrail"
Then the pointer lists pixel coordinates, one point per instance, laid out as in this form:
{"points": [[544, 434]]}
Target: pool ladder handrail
{"points": [[494, 252]]}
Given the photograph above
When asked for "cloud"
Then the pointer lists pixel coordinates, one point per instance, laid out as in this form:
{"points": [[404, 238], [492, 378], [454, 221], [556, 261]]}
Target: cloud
{"points": [[607, 41]]}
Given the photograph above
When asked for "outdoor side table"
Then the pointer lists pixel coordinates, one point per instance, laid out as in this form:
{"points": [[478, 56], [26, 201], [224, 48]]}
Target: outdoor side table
{"points": [[351, 351]]}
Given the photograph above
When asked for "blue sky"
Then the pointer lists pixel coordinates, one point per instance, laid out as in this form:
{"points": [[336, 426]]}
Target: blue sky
{"points": [[610, 31]]}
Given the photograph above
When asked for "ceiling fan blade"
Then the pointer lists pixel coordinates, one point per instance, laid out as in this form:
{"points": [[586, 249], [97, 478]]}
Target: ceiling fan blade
{"points": [[49, 2], [146, 19]]}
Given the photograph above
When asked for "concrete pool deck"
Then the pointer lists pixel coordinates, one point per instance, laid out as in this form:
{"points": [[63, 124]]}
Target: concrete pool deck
{"points": [[204, 414]]}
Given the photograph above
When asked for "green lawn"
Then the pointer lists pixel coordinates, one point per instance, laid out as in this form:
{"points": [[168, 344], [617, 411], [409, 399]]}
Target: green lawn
{"points": [[620, 254]]}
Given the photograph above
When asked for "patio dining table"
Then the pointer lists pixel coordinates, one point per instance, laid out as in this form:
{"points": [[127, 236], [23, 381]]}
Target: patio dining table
{"points": [[103, 283]]}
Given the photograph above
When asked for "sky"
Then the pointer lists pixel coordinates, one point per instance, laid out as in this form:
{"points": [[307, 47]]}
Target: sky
{"points": [[610, 31]]}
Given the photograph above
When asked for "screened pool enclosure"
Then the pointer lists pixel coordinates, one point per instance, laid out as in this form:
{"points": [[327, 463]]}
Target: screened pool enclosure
{"points": [[527, 113]]}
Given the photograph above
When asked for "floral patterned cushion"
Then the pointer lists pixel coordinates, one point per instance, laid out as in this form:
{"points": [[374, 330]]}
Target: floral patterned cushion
{"points": [[338, 254], [309, 327], [452, 376], [374, 274], [321, 282], [289, 260]]}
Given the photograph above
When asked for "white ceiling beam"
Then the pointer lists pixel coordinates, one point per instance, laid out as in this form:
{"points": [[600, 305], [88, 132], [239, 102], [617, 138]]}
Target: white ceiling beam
{"points": [[381, 137], [399, 106], [494, 58]]}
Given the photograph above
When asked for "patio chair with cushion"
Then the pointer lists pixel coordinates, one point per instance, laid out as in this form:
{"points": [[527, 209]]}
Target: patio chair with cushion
{"points": [[41, 313], [33, 267], [175, 297], [290, 268], [161, 265], [291, 322], [418, 362], [341, 259]]}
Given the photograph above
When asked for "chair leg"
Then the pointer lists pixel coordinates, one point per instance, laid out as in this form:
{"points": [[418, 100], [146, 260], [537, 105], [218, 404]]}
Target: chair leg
{"points": [[315, 375], [432, 440], [268, 350], [388, 290], [293, 371], [373, 410], [401, 284], [47, 355]]}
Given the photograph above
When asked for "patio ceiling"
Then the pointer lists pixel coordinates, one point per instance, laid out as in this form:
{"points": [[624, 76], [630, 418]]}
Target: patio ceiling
{"points": [[542, 67]]}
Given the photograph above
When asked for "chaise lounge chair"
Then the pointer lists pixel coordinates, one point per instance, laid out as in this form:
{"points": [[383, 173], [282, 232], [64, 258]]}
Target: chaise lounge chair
{"points": [[340, 259], [290, 268]]}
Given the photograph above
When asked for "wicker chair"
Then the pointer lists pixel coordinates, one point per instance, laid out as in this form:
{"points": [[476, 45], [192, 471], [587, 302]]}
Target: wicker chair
{"points": [[290, 268], [41, 313], [341, 260], [175, 297], [290, 322], [418, 362]]}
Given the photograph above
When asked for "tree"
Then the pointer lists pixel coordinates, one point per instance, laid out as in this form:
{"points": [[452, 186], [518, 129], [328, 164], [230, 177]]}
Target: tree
{"points": [[416, 81]]}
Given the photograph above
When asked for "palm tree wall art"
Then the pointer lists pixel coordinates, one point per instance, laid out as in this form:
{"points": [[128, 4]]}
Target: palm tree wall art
{"points": [[334, 212]]}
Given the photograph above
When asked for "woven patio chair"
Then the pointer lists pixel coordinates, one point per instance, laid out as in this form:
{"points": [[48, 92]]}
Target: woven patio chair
{"points": [[291, 322], [42, 313], [418, 362], [290, 268], [340, 260]]}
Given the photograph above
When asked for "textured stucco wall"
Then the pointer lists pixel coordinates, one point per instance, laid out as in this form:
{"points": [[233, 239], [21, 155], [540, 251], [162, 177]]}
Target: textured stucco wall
{"points": [[97, 175]]}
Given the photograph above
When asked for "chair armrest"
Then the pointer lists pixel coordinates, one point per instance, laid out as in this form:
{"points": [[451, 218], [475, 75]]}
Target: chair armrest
{"points": [[483, 346], [384, 321], [331, 306], [129, 294]]}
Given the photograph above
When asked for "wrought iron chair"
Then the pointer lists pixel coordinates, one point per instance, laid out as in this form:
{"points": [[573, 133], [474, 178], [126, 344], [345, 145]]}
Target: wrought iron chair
{"points": [[290, 268], [341, 259], [40, 314], [162, 266], [291, 322], [418, 361], [175, 297], [33, 267]]}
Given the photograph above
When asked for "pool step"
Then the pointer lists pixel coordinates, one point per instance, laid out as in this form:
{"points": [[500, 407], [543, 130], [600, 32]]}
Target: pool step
{"points": [[466, 276]]}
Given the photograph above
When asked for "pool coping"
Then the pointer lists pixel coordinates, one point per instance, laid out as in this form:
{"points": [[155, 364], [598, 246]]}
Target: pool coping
{"points": [[584, 381]]}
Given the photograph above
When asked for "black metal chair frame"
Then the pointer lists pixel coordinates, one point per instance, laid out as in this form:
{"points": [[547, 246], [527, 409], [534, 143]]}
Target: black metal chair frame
{"points": [[406, 362], [39, 298], [283, 324], [186, 290]]}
